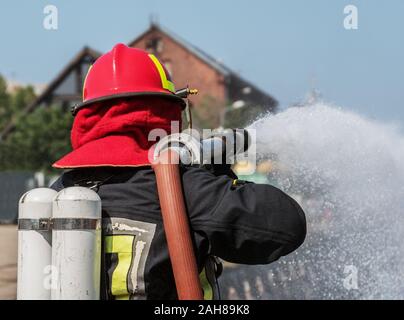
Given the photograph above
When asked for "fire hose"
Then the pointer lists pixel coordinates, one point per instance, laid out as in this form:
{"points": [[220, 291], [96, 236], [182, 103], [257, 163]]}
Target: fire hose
{"points": [[168, 154], [176, 227]]}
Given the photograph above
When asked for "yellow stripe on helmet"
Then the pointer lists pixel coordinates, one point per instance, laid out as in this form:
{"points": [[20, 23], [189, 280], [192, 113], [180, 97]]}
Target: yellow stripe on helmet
{"points": [[167, 84], [85, 79]]}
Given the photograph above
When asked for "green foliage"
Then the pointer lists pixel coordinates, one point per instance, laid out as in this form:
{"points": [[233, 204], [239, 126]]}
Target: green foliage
{"points": [[208, 114], [39, 139], [20, 99], [4, 103], [242, 117], [12, 105]]}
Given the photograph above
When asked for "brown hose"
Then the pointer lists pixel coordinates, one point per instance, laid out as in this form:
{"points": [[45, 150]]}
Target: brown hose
{"points": [[176, 227]]}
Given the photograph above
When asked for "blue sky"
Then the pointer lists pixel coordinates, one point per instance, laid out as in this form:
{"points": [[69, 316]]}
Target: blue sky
{"points": [[283, 46]]}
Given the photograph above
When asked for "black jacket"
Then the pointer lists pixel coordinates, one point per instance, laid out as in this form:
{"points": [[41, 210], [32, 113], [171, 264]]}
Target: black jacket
{"points": [[239, 222]]}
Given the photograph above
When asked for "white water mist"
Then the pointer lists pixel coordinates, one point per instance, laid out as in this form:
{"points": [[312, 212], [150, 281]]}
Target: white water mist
{"points": [[348, 174]]}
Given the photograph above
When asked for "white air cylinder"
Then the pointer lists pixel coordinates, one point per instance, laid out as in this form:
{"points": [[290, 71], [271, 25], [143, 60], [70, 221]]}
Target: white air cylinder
{"points": [[34, 245], [76, 237]]}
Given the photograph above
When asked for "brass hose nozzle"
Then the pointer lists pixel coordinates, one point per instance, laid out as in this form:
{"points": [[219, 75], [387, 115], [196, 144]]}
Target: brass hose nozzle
{"points": [[185, 92]]}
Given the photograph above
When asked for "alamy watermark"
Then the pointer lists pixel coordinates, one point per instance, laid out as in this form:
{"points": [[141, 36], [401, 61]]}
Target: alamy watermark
{"points": [[51, 19], [350, 281], [351, 17], [51, 277]]}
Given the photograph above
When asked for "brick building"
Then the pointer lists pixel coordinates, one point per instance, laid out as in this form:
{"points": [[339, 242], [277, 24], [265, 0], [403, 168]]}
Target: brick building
{"points": [[220, 89]]}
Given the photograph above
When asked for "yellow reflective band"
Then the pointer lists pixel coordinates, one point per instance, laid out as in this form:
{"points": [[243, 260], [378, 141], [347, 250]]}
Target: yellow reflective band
{"points": [[167, 84], [122, 297], [85, 79], [206, 286], [123, 246]]}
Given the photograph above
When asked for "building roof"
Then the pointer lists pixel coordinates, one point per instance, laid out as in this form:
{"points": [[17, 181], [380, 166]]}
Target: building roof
{"points": [[84, 53], [237, 80], [214, 63]]}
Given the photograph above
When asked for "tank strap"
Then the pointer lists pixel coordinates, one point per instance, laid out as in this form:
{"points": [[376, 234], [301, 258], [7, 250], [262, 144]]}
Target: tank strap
{"points": [[208, 277]]}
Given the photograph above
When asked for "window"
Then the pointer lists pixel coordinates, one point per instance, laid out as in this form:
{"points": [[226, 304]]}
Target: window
{"points": [[154, 44]]}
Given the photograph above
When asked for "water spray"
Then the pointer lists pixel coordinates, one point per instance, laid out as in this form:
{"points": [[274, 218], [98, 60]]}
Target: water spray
{"points": [[347, 172]]}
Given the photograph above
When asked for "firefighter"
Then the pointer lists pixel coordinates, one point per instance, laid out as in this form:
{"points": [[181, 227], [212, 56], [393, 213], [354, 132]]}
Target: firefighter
{"points": [[127, 93]]}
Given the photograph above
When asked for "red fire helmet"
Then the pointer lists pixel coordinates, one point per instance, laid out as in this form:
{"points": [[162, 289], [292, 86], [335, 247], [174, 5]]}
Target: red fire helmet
{"points": [[126, 72]]}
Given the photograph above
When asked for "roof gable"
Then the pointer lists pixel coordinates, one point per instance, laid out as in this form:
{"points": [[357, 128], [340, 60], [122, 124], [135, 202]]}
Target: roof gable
{"points": [[64, 84], [214, 63], [234, 80], [86, 55]]}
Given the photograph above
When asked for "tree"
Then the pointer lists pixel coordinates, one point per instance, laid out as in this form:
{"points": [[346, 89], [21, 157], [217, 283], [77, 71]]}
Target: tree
{"points": [[4, 103], [12, 104], [39, 139], [208, 113], [20, 99]]}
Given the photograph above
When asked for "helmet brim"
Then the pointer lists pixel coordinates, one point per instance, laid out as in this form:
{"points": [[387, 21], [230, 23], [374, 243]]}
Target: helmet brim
{"points": [[76, 108]]}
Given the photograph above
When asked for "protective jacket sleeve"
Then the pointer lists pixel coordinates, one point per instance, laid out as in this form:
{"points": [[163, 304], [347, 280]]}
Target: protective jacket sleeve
{"points": [[244, 222]]}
